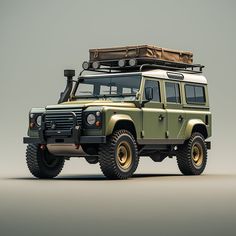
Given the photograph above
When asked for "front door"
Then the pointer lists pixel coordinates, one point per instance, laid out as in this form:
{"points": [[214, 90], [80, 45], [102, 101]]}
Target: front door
{"points": [[154, 115]]}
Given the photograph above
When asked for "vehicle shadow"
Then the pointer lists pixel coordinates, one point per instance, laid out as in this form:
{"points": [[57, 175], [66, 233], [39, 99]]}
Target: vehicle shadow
{"points": [[94, 177]]}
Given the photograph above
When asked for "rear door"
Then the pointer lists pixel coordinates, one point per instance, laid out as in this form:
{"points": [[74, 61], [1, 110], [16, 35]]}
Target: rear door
{"points": [[174, 109]]}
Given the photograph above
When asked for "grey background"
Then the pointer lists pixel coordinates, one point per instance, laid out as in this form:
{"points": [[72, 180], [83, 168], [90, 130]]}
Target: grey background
{"points": [[38, 40]]}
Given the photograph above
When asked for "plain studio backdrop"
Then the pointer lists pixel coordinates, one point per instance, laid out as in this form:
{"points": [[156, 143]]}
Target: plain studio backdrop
{"points": [[38, 40]]}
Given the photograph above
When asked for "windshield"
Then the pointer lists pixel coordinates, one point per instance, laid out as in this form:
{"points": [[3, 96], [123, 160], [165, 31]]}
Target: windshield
{"points": [[115, 87]]}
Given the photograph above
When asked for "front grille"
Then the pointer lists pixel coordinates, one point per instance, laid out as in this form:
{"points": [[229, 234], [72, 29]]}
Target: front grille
{"points": [[62, 120]]}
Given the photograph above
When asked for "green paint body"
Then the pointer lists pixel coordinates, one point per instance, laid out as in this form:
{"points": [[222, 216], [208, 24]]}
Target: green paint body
{"points": [[152, 121]]}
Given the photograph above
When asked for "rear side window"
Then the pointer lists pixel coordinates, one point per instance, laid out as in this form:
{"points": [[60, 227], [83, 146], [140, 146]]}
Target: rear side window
{"points": [[195, 94], [172, 92]]}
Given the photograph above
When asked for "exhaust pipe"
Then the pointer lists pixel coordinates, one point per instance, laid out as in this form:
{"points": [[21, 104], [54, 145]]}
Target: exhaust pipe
{"points": [[65, 95]]}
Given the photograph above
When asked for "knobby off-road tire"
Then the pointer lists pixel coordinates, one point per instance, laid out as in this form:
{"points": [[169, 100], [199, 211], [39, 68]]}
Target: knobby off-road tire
{"points": [[192, 155], [118, 158], [41, 163]]}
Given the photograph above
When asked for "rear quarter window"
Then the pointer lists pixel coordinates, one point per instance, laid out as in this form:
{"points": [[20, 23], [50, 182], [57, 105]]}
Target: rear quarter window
{"points": [[195, 94]]}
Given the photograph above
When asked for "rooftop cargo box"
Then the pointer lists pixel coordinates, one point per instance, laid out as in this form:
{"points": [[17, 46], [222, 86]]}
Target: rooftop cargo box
{"points": [[141, 51]]}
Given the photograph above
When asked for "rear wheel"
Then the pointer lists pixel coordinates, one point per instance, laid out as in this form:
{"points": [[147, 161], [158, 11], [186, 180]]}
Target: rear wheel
{"points": [[192, 155], [41, 163], [119, 158]]}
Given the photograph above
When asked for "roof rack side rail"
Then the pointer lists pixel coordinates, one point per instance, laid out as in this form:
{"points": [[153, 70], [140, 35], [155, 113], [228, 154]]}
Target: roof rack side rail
{"points": [[139, 64], [192, 70]]}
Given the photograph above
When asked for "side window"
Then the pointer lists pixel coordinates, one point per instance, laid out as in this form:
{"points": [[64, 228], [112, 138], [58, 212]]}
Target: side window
{"points": [[190, 95], [156, 89], [172, 92], [195, 94], [200, 94]]}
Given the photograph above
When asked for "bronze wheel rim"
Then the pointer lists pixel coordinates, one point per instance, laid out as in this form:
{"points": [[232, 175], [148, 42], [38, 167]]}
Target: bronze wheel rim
{"points": [[197, 155], [124, 156]]}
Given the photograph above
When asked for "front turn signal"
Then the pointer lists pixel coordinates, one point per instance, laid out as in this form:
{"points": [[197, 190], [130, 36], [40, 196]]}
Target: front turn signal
{"points": [[32, 125], [98, 123]]}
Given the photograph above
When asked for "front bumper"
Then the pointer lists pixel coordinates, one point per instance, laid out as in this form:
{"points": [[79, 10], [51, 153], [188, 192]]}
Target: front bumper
{"points": [[72, 135], [83, 139]]}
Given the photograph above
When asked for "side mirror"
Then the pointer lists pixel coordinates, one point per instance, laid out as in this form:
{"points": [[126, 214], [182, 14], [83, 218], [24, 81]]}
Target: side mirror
{"points": [[149, 93]]}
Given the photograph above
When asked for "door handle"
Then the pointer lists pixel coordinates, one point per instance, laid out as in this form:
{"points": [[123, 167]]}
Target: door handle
{"points": [[161, 117], [180, 118]]}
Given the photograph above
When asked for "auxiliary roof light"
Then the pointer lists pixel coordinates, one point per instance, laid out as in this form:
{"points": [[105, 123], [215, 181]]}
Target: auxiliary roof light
{"points": [[132, 62], [96, 65], [85, 65], [121, 63]]}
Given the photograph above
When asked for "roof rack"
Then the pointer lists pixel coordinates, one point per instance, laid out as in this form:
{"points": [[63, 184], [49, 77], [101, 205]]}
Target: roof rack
{"points": [[139, 64]]}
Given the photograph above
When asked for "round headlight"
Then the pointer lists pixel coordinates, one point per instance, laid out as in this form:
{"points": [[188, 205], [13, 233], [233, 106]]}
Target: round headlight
{"points": [[39, 120], [91, 119]]}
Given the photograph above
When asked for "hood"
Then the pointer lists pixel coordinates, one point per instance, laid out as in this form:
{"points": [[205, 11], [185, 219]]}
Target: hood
{"points": [[84, 104]]}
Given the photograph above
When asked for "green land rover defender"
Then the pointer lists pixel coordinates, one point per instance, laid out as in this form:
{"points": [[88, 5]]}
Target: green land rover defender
{"points": [[122, 110]]}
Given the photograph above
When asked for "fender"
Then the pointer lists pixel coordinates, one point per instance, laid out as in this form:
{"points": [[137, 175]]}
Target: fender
{"points": [[189, 127], [114, 119]]}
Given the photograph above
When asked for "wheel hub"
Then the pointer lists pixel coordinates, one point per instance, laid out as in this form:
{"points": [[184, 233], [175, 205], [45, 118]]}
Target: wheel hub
{"points": [[124, 155], [197, 155]]}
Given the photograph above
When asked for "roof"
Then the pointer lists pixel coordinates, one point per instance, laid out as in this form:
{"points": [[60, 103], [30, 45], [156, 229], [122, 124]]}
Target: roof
{"points": [[158, 73], [186, 77]]}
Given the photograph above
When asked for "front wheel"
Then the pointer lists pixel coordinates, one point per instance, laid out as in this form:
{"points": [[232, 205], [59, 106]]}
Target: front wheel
{"points": [[192, 155], [119, 158], [41, 163]]}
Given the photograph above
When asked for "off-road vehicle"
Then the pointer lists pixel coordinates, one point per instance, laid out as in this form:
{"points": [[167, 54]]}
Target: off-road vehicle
{"points": [[128, 108]]}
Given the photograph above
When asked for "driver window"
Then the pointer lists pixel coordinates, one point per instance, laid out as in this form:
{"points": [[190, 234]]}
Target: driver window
{"points": [[156, 89]]}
